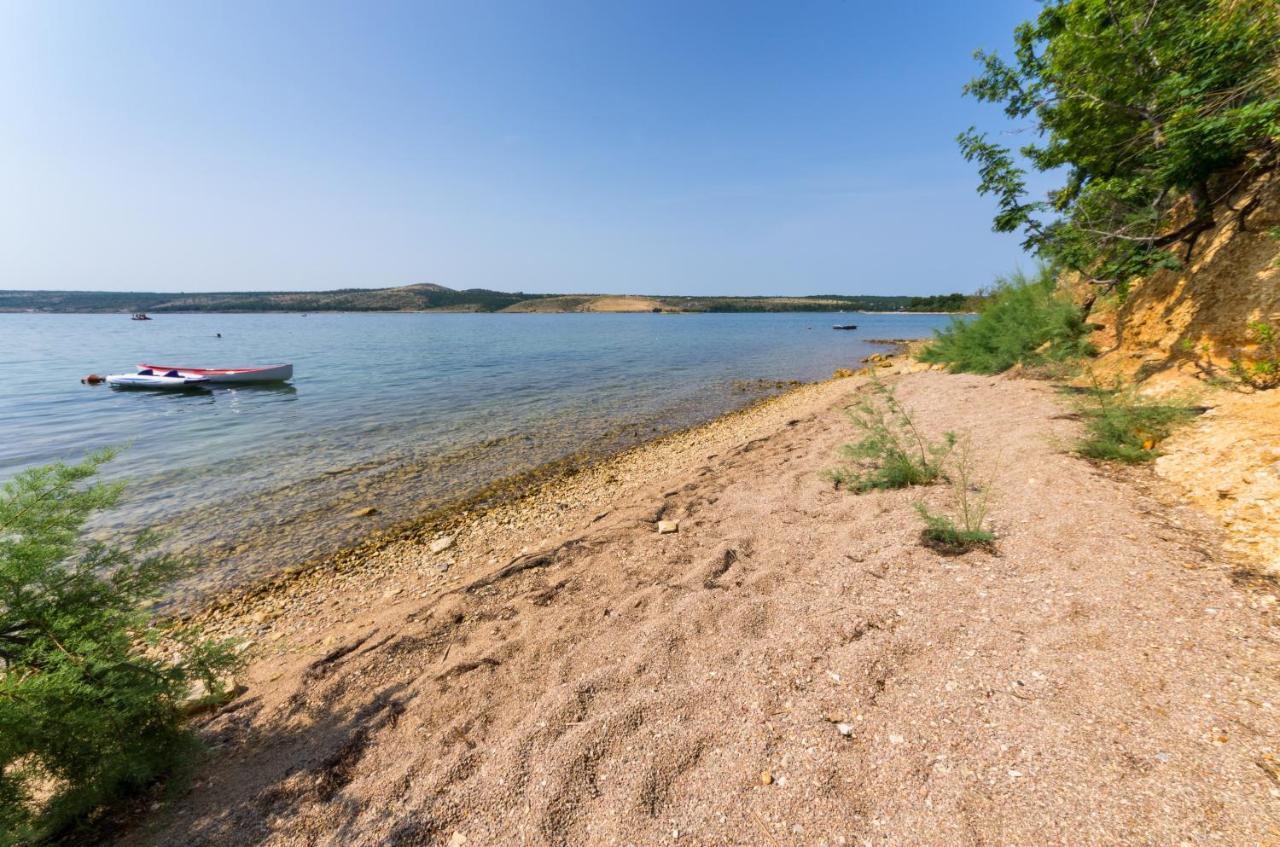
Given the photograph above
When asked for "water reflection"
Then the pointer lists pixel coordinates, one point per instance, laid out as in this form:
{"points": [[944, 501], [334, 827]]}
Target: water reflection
{"points": [[280, 389], [403, 410]]}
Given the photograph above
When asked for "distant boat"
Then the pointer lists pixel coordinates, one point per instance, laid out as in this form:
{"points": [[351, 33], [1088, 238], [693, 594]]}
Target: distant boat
{"points": [[140, 316], [147, 378], [844, 326], [262, 373]]}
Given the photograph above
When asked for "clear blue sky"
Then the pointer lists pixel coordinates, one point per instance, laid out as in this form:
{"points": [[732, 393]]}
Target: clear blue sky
{"points": [[656, 147]]}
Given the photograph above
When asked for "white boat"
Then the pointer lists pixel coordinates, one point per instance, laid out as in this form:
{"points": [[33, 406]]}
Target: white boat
{"points": [[148, 378], [261, 373]]}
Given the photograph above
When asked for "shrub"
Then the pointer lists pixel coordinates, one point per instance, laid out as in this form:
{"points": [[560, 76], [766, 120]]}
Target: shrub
{"points": [[966, 527], [90, 705], [1121, 426], [1263, 369], [1022, 321], [892, 452]]}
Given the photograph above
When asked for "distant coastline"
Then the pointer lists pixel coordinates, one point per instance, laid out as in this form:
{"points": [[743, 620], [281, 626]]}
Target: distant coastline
{"points": [[437, 298]]}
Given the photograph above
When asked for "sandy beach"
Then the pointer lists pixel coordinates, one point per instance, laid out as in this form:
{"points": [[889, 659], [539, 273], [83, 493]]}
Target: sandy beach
{"points": [[790, 667], [636, 425]]}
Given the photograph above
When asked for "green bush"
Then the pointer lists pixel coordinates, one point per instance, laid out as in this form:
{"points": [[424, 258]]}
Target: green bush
{"points": [[942, 533], [1022, 321], [892, 452], [1262, 370], [966, 527], [90, 691], [1121, 426]]}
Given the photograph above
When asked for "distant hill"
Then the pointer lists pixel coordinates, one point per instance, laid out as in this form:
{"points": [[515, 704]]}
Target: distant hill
{"points": [[429, 297], [407, 298]]}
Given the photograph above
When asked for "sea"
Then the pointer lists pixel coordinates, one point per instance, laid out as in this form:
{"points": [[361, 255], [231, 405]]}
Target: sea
{"points": [[401, 412]]}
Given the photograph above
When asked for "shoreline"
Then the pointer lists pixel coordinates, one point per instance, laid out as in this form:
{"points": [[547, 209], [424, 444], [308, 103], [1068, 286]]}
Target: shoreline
{"points": [[232, 605], [398, 503]]}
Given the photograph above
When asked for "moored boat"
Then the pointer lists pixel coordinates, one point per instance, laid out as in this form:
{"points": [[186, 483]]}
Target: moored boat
{"points": [[261, 373], [148, 378], [844, 326]]}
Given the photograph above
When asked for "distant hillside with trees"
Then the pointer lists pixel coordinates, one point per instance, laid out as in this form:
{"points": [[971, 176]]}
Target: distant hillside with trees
{"points": [[427, 297], [402, 299]]}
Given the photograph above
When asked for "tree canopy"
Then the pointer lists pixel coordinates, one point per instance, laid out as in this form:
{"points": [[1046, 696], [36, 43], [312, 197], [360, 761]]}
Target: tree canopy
{"points": [[1143, 106]]}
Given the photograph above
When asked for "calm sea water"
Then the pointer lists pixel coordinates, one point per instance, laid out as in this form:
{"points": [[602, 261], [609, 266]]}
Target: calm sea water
{"points": [[397, 411]]}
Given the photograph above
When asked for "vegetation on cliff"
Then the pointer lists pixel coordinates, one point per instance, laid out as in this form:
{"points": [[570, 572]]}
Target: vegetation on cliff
{"points": [[90, 700], [1262, 370], [1121, 426], [1152, 111]]}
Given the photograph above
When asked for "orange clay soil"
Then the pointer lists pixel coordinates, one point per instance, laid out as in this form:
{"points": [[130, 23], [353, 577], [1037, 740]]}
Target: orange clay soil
{"points": [[791, 667]]}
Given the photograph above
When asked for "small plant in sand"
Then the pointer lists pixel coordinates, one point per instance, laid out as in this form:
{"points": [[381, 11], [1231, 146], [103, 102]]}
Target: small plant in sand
{"points": [[1122, 426], [91, 693], [964, 527], [1262, 370], [892, 452]]}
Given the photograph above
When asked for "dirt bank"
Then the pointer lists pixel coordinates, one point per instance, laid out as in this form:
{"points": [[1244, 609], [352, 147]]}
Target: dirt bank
{"points": [[790, 668], [1194, 321], [1228, 462]]}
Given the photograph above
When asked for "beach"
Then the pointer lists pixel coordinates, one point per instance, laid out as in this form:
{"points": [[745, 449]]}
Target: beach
{"points": [[388, 416], [700, 640], [634, 425]]}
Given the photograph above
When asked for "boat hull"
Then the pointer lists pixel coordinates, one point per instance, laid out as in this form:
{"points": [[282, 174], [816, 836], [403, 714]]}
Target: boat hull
{"points": [[155, 382], [220, 376]]}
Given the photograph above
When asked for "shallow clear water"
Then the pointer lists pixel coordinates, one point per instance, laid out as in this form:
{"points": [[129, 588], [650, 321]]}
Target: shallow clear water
{"points": [[397, 411]]}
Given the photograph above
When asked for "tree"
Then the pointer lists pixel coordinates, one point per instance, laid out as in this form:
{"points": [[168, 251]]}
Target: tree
{"points": [[1144, 106], [90, 706]]}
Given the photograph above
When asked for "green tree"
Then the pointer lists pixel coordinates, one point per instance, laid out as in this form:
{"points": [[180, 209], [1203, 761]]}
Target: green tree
{"points": [[90, 703], [1140, 104]]}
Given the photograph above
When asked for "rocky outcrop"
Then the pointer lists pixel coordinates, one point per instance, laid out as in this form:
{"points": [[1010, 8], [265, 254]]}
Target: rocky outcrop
{"points": [[1183, 332], [1195, 322]]}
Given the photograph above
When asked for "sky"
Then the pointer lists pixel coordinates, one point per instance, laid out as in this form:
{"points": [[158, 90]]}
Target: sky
{"points": [[688, 147]]}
